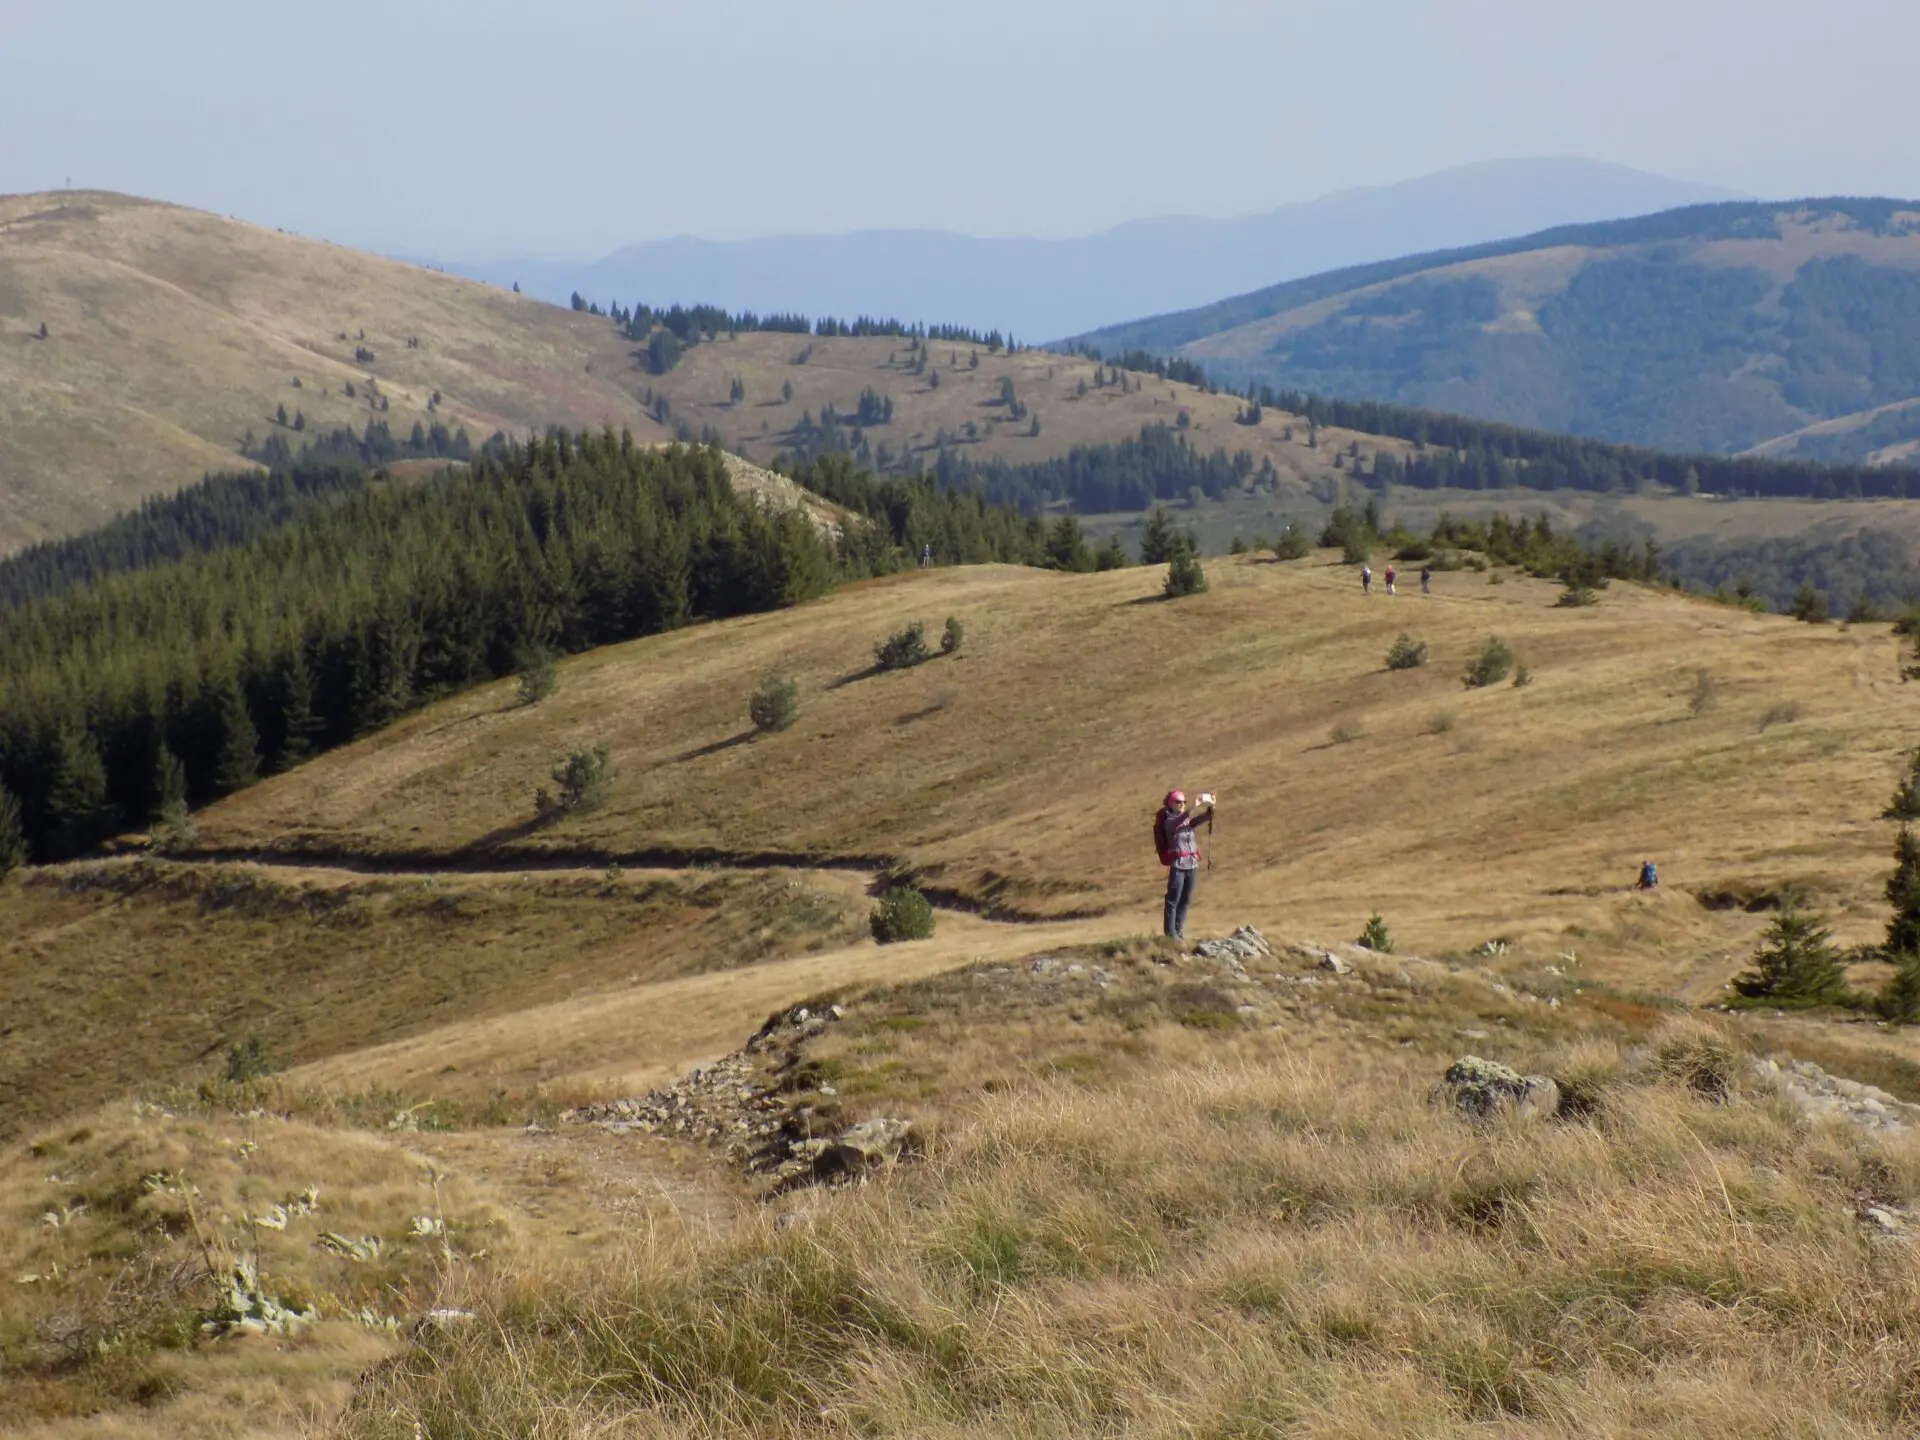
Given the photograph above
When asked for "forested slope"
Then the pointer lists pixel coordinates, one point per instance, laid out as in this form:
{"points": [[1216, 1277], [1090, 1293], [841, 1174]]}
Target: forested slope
{"points": [[1712, 328]]}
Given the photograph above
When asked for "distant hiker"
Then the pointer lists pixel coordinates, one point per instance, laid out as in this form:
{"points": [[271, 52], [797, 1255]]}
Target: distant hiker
{"points": [[1180, 852], [1366, 579], [1649, 876], [926, 557], [1426, 579], [1390, 589]]}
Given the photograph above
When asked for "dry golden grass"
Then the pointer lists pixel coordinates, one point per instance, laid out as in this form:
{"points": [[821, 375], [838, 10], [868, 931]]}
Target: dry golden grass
{"points": [[115, 1228], [1184, 1204], [1076, 703], [1241, 1237], [120, 975], [171, 333]]}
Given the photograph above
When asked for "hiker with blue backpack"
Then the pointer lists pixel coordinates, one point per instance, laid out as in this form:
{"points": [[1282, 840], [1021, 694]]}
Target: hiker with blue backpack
{"points": [[1179, 847]]}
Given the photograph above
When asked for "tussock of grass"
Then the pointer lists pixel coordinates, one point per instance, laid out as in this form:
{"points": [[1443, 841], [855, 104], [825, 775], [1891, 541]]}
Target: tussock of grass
{"points": [[1219, 1248]]}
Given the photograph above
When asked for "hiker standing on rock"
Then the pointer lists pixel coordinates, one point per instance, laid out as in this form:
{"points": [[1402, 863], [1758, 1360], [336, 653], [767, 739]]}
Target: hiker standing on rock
{"points": [[1180, 852]]}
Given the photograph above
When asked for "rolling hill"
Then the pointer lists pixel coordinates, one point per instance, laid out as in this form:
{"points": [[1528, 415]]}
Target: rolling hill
{"points": [[1034, 288], [171, 335], [1133, 1160], [1720, 328]]}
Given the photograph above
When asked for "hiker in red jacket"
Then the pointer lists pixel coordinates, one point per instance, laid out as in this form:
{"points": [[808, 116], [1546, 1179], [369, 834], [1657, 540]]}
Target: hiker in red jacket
{"points": [[1180, 853]]}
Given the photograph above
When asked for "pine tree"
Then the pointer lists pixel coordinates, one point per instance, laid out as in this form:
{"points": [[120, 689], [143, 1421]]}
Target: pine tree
{"points": [[1159, 539], [13, 834], [172, 828], [300, 728], [236, 762], [1903, 893], [78, 813], [1905, 804], [1796, 964]]}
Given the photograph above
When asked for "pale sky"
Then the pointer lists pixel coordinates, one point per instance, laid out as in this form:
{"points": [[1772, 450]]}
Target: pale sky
{"points": [[569, 127]]}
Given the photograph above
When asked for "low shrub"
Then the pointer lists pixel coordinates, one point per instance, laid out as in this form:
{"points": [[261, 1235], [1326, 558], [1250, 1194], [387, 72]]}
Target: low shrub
{"points": [[583, 778], [952, 635], [1697, 1057], [1293, 543], [1785, 712], [902, 914], [538, 676], [1440, 722], [903, 649], [774, 705], [1346, 729], [1522, 676], [251, 1059], [1416, 553], [1576, 597], [1406, 653], [1375, 936], [1705, 696], [1184, 575], [1490, 666]]}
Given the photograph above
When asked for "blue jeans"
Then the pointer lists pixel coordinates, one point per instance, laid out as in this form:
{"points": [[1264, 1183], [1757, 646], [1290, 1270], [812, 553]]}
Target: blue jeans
{"points": [[1180, 885]]}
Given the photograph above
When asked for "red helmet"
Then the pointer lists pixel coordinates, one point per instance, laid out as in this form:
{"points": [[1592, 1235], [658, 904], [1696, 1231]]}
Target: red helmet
{"points": [[1176, 797]]}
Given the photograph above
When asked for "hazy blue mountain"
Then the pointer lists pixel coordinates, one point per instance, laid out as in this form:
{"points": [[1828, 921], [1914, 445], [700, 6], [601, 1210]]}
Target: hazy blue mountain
{"points": [[1041, 289]]}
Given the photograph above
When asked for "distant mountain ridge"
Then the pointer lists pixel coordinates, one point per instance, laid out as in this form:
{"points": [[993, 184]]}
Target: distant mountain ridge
{"points": [[1715, 328], [1037, 289]]}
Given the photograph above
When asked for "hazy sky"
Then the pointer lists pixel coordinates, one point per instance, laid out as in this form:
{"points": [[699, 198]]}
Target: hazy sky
{"points": [[485, 127]]}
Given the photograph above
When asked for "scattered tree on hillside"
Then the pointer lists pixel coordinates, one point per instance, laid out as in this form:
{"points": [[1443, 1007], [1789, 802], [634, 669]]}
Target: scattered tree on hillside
{"points": [[774, 705], [1067, 546], [1796, 964], [1905, 804]]}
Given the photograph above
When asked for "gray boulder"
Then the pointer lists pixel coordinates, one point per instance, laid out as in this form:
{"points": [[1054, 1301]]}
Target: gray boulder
{"points": [[1479, 1089]]}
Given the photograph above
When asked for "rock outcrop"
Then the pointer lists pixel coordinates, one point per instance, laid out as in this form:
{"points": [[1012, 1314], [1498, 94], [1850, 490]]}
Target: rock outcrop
{"points": [[1479, 1089]]}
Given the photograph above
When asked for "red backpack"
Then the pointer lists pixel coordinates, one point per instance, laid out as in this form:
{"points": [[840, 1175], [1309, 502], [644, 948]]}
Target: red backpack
{"points": [[1160, 843]]}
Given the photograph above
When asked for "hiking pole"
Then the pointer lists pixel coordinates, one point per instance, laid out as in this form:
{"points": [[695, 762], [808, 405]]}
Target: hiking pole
{"points": [[1207, 800]]}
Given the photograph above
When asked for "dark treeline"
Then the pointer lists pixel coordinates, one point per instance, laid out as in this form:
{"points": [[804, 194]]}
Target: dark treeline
{"points": [[219, 512], [1159, 464], [1453, 451], [1176, 368], [375, 445], [667, 333], [189, 679]]}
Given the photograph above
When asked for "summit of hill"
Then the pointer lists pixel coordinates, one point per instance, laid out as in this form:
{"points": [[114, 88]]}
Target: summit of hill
{"points": [[1783, 326], [144, 344], [178, 343]]}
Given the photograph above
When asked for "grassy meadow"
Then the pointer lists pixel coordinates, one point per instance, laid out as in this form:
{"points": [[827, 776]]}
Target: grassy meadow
{"points": [[1150, 1195]]}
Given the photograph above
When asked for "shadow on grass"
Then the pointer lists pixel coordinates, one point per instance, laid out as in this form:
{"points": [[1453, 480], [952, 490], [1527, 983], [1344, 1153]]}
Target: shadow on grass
{"points": [[848, 679], [714, 748]]}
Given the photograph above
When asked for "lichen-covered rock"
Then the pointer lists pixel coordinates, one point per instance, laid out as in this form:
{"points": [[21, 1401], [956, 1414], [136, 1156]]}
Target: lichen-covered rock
{"points": [[863, 1147], [1480, 1088]]}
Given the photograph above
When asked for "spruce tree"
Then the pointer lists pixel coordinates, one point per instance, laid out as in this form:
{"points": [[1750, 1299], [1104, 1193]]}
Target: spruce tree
{"points": [[1796, 964], [78, 813], [236, 762], [13, 834], [1903, 893], [300, 728], [173, 827], [1905, 804], [1159, 539]]}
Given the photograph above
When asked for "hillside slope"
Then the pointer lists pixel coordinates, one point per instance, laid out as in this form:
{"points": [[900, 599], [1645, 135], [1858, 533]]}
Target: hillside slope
{"points": [[1018, 774], [1128, 1152], [171, 335], [1712, 328]]}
